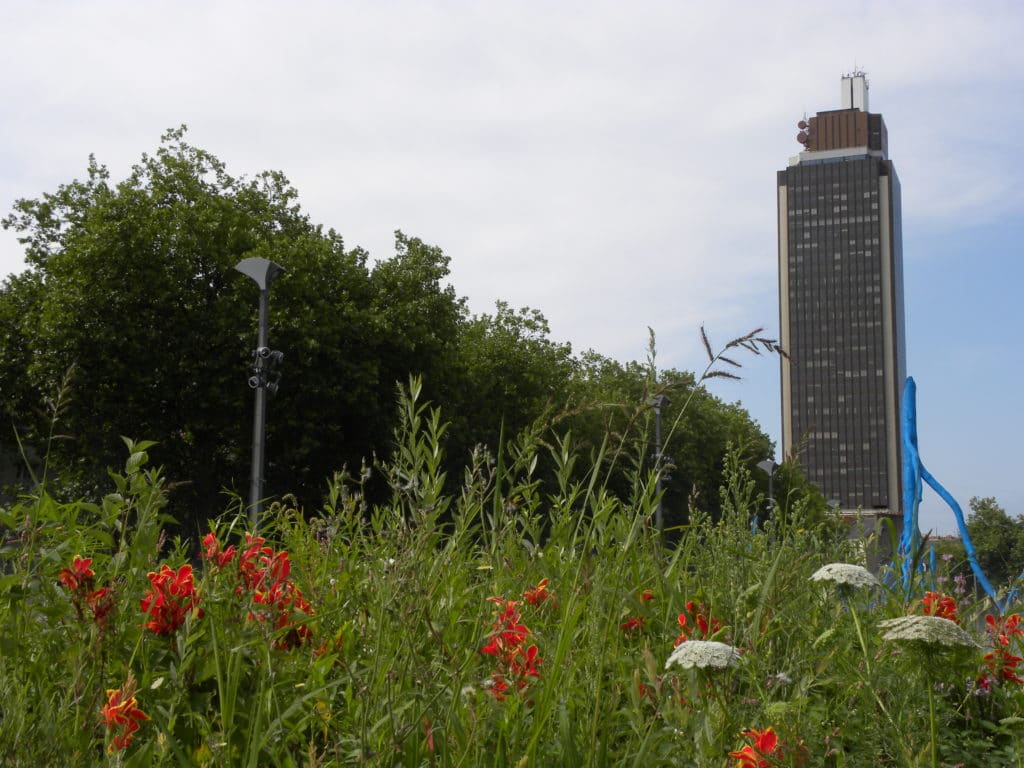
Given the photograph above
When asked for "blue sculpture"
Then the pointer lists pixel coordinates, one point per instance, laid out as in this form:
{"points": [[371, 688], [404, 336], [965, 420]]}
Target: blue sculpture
{"points": [[913, 474]]}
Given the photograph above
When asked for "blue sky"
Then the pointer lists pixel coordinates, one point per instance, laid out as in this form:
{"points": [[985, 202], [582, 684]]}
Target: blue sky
{"points": [[610, 164]]}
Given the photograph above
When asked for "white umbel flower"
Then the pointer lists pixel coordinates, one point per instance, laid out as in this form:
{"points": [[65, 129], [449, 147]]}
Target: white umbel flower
{"points": [[703, 654], [933, 630], [845, 574]]}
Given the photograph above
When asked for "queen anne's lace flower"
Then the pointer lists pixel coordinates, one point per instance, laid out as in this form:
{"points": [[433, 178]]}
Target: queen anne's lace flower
{"points": [[845, 573], [934, 630], [703, 654]]}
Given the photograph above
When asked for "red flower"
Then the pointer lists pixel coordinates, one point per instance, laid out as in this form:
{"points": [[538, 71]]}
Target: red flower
{"points": [[100, 602], [121, 715], [538, 594], [267, 576], [250, 562], [498, 687], [937, 604], [632, 624], [213, 552], [524, 664], [647, 595], [78, 576], [429, 732], [515, 660], [1005, 628], [509, 631], [704, 626], [171, 597], [765, 743], [284, 600], [1000, 664]]}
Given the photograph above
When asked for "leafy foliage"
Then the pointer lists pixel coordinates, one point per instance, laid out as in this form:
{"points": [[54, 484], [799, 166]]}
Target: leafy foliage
{"points": [[475, 638], [998, 540], [131, 288], [133, 285]]}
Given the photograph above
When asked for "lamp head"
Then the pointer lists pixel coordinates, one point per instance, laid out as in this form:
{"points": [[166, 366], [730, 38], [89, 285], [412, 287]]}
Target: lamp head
{"points": [[263, 271]]}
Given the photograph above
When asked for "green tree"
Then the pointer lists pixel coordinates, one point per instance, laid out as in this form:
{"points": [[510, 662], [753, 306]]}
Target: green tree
{"points": [[133, 285], [998, 540], [615, 400], [508, 372]]}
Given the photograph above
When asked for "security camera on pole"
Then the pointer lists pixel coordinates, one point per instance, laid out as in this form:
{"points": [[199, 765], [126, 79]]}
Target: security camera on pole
{"points": [[264, 377]]}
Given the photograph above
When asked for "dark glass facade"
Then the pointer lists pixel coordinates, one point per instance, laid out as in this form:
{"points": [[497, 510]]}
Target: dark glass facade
{"points": [[841, 301]]}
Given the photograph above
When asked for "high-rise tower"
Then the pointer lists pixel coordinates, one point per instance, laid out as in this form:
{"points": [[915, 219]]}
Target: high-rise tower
{"points": [[841, 305]]}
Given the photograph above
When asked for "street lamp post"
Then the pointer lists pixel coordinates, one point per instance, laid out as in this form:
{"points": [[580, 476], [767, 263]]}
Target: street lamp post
{"points": [[658, 402], [264, 272], [768, 466]]}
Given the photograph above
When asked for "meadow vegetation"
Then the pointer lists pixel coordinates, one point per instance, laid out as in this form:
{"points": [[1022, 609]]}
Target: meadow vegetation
{"points": [[498, 625]]}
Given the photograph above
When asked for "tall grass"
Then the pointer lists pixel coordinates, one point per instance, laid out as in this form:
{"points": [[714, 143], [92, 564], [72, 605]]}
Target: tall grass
{"points": [[386, 667]]}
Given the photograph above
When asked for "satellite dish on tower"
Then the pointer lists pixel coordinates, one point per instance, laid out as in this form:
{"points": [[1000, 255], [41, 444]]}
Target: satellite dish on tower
{"points": [[805, 135]]}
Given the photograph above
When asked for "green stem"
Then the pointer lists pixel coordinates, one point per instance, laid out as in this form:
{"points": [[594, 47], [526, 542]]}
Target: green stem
{"points": [[867, 673], [860, 636], [932, 726]]}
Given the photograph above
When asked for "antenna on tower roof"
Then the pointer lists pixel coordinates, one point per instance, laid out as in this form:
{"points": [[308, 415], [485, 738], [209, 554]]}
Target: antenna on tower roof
{"points": [[854, 92]]}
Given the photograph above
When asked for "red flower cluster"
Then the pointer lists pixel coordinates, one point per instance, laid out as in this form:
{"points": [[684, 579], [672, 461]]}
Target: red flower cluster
{"points": [[937, 604], [213, 552], [172, 595], [696, 622], [517, 661], [538, 594], [79, 581], [1000, 664], [79, 576], [101, 603], [765, 745], [635, 624], [121, 715], [632, 624], [265, 575]]}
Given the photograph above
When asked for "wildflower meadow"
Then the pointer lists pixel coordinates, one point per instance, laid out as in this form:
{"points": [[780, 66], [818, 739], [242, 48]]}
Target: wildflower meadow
{"points": [[510, 623]]}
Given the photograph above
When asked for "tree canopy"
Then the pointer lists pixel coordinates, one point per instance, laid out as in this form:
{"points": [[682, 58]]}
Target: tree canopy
{"points": [[998, 540], [130, 307]]}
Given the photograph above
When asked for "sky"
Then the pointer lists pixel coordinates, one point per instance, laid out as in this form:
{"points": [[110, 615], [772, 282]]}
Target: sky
{"points": [[611, 164]]}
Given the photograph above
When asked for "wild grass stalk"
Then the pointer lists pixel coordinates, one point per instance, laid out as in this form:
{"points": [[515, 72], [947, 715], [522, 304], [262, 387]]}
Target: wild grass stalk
{"points": [[504, 625]]}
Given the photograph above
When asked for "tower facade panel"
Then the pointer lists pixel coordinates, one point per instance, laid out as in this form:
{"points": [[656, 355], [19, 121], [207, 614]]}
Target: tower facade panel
{"points": [[841, 306]]}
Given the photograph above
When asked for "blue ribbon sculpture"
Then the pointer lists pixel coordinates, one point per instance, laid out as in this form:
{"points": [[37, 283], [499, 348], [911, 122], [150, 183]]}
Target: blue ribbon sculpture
{"points": [[913, 473]]}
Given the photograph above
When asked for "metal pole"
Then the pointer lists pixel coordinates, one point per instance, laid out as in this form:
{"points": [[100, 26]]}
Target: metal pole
{"points": [[659, 521], [259, 418], [263, 272], [768, 466]]}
